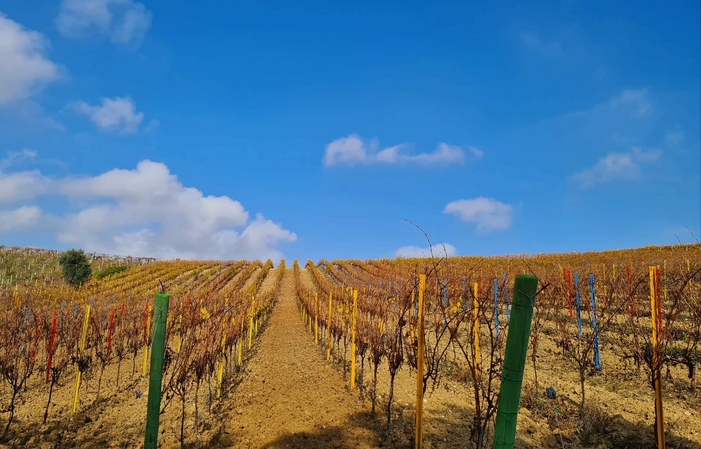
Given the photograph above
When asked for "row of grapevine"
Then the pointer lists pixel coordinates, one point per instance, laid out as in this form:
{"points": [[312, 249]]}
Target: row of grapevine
{"points": [[53, 336], [586, 305]]}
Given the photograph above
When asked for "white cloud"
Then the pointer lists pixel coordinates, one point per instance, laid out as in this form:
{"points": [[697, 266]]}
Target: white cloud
{"points": [[114, 114], [19, 219], [148, 212], [439, 250], [352, 150], [476, 152], [636, 102], [15, 157], [533, 42], [21, 186], [674, 137], [25, 68], [123, 21], [489, 214], [630, 107], [346, 150], [615, 166]]}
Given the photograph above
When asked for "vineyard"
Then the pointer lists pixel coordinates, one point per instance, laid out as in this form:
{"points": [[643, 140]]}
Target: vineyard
{"points": [[254, 353], [67, 355]]}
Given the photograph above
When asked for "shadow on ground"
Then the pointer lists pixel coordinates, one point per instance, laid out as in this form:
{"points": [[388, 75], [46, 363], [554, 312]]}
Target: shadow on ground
{"points": [[452, 430]]}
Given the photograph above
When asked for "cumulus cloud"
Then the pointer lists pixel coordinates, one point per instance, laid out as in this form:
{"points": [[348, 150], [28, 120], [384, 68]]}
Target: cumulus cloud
{"points": [[123, 21], [22, 186], [615, 166], [113, 114], [146, 211], [20, 219], [352, 150], [489, 214], [25, 67], [439, 250]]}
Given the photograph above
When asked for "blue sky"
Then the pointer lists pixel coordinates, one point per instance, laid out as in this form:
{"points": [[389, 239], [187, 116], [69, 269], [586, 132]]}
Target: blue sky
{"points": [[265, 129]]}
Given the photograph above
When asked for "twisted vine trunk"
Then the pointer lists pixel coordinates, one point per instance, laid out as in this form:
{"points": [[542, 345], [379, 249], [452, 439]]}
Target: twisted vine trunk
{"points": [[374, 388], [11, 409], [48, 403]]}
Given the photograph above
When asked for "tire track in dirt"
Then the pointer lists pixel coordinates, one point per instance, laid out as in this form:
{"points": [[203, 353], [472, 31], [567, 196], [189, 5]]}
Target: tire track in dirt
{"points": [[290, 398]]}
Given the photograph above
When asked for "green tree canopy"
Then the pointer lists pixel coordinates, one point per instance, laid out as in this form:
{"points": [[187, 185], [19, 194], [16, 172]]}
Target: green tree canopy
{"points": [[75, 266]]}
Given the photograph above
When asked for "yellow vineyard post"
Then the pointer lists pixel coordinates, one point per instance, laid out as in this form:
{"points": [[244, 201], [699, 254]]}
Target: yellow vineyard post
{"points": [[659, 419], [83, 339], [250, 323], [220, 374], [250, 333], [419, 431], [222, 361], [353, 337], [328, 328], [476, 329], [316, 318], [412, 302]]}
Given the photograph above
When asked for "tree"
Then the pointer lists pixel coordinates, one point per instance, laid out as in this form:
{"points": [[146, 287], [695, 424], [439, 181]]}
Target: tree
{"points": [[75, 266]]}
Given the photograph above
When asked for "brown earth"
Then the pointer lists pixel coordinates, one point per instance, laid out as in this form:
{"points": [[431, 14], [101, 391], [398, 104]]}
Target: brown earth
{"points": [[288, 396]]}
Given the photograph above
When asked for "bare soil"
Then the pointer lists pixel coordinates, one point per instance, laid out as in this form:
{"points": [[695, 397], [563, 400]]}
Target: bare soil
{"points": [[287, 395], [290, 397]]}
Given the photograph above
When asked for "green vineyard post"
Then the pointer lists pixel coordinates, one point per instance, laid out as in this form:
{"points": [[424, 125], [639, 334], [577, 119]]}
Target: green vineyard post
{"points": [[514, 361], [156, 375]]}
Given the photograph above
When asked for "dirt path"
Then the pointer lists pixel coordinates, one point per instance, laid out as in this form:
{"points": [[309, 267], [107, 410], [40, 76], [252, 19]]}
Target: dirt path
{"points": [[290, 398]]}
